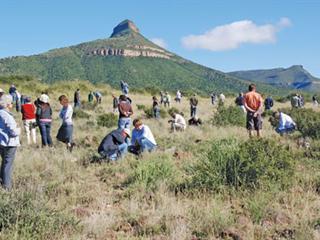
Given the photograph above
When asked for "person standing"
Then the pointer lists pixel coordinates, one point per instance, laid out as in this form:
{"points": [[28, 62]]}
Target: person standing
{"points": [[315, 100], [213, 98], [167, 100], [29, 120], [9, 140], [115, 103], [124, 88], [44, 120], [268, 103], [193, 106], [222, 98], [178, 96], [240, 101], [115, 144], [18, 101], [65, 132], [295, 101], [125, 111], [90, 97], [155, 107], [98, 96], [253, 103], [77, 102], [161, 97], [12, 92]]}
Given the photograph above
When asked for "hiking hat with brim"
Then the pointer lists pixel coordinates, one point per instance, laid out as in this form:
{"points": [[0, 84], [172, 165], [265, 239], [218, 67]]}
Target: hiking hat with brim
{"points": [[127, 131], [5, 100], [44, 98]]}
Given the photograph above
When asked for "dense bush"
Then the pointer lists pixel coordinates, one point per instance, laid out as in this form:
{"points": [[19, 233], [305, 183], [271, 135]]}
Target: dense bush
{"points": [[107, 120], [307, 120], [248, 165], [23, 216], [149, 174], [78, 113], [232, 115], [173, 110]]}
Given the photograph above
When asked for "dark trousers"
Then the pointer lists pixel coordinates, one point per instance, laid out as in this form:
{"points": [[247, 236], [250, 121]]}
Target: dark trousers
{"points": [[7, 155], [45, 129]]}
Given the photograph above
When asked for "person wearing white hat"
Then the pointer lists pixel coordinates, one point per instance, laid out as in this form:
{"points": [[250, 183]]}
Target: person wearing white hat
{"points": [[1, 92], [44, 119], [115, 144], [9, 140]]}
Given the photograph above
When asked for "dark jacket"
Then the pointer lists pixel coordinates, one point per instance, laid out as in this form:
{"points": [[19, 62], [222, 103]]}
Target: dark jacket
{"points": [[44, 111], [111, 142], [268, 103], [240, 101], [193, 101], [125, 109]]}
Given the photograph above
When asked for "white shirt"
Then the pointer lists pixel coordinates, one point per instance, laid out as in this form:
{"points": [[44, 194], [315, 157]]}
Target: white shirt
{"points": [[180, 120], [285, 121], [178, 95], [143, 132]]}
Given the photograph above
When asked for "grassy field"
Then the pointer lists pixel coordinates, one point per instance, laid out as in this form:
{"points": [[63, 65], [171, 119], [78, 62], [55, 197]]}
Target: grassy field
{"points": [[61, 195]]}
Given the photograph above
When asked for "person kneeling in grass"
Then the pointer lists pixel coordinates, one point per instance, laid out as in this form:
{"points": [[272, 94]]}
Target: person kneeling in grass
{"points": [[66, 130], [142, 138], [286, 124], [115, 144], [178, 123]]}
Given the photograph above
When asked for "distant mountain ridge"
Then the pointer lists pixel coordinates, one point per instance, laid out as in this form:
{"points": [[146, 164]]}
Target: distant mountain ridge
{"points": [[294, 77], [126, 55]]}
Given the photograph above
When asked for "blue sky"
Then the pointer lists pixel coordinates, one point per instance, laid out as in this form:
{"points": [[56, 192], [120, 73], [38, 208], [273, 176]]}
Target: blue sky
{"points": [[226, 35]]}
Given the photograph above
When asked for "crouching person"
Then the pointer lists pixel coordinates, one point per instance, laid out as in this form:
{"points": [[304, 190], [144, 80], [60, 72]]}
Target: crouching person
{"points": [[178, 123], [286, 124], [9, 140], [115, 144], [142, 138]]}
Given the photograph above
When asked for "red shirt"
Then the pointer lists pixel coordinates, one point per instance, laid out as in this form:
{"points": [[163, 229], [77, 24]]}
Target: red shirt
{"points": [[28, 111]]}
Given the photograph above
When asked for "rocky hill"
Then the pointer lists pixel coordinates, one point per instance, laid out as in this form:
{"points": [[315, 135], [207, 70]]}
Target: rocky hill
{"points": [[294, 77], [126, 55]]}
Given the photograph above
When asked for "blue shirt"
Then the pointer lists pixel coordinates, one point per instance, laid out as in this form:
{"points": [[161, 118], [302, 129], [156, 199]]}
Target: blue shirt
{"points": [[139, 134], [9, 132]]}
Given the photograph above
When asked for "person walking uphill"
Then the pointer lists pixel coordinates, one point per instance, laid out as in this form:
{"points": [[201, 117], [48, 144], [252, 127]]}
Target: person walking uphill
{"points": [[125, 111], [253, 103], [193, 106], [29, 120], [44, 119], [66, 129], [9, 140]]}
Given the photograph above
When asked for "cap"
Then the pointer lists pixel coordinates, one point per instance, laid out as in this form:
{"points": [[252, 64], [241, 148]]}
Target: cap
{"points": [[5, 100], [127, 131], [1, 90]]}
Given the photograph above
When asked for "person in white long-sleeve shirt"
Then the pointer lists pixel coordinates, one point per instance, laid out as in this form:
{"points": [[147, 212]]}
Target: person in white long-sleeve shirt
{"points": [[66, 130], [9, 140], [286, 123], [142, 138], [178, 123]]}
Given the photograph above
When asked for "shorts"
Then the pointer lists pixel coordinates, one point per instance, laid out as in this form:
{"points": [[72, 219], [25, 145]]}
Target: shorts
{"points": [[254, 123]]}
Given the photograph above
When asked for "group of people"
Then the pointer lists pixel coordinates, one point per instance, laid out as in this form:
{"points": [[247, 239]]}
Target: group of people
{"points": [[297, 101], [37, 114], [117, 143]]}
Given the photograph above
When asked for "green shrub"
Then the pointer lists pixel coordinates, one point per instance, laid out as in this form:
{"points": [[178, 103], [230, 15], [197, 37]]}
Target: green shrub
{"points": [[307, 120], [232, 115], [78, 113], [173, 110], [24, 216], [149, 174], [149, 112], [141, 107], [107, 120], [247, 165]]}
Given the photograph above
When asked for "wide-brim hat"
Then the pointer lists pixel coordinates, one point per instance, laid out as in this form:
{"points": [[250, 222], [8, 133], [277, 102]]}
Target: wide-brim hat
{"points": [[44, 98]]}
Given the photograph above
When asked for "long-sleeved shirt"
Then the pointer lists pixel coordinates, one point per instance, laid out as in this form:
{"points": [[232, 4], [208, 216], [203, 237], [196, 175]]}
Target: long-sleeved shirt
{"points": [[66, 115], [125, 109], [9, 132], [285, 121], [143, 132], [111, 142], [180, 120]]}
